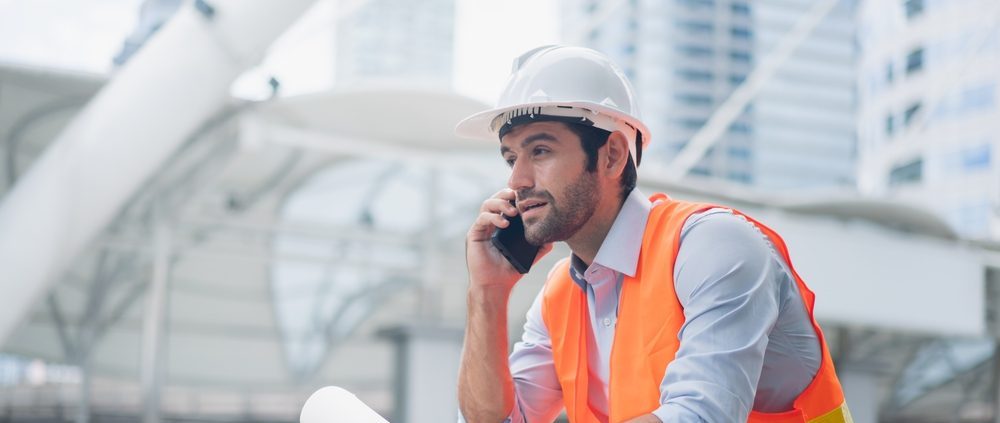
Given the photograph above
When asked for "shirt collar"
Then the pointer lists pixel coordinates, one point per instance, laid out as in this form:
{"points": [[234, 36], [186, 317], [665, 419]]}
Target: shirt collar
{"points": [[620, 249]]}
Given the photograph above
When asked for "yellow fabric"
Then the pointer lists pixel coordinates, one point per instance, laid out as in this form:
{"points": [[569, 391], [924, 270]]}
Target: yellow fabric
{"points": [[838, 415]]}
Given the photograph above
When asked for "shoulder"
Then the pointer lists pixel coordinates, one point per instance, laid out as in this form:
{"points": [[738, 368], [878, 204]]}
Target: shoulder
{"points": [[721, 228], [717, 245]]}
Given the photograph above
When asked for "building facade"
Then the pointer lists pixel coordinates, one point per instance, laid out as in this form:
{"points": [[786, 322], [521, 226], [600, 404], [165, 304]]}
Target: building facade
{"points": [[687, 56], [928, 119], [393, 41]]}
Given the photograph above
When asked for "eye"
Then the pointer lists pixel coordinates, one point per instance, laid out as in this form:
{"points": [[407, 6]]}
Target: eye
{"points": [[510, 160], [540, 150]]}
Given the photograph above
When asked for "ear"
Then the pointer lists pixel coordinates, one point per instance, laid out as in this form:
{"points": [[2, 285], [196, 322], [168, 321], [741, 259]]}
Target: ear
{"points": [[616, 157]]}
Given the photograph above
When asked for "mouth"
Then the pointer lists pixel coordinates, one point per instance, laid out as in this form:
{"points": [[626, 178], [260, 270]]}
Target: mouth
{"points": [[531, 207]]}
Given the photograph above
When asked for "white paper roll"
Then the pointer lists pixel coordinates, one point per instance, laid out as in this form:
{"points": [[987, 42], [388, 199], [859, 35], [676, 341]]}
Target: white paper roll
{"points": [[333, 404]]}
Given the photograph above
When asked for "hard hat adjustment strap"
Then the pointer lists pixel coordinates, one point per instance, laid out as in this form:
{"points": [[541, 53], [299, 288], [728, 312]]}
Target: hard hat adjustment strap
{"points": [[503, 123]]}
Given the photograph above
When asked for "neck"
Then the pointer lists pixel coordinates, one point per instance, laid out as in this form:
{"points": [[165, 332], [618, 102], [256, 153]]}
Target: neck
{"points": [[587, 241]]}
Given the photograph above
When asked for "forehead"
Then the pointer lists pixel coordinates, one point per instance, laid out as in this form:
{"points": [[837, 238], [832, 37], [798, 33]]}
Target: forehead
{"points": [[557, 130]]}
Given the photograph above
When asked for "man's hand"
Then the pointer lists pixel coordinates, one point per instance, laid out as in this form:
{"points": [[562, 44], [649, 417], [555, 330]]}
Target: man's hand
{"points": [[487, 266], [645, 418], [485, 385]]}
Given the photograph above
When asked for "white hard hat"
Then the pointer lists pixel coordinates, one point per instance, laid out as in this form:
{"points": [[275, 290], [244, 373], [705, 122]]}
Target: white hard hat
{"points": [[572, 84]]}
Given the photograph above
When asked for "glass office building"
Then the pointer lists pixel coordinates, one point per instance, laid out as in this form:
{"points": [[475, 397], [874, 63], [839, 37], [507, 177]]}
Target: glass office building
{"points": [[928, 113], [687, 56]]}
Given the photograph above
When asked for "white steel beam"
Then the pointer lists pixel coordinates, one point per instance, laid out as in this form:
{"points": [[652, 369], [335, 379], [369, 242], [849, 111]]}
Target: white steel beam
{"points": [[724, 116], [123, 137]]}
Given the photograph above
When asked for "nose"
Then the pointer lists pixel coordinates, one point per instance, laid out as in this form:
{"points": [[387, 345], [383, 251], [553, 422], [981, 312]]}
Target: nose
{"points": [[521, 176]]}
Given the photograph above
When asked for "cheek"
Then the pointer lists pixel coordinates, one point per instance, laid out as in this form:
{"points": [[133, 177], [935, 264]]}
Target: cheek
{"points": [[555, 179]]}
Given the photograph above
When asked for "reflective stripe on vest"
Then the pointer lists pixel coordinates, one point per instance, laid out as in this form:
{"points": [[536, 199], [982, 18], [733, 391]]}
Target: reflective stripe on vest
{"points": [[649, 319]]}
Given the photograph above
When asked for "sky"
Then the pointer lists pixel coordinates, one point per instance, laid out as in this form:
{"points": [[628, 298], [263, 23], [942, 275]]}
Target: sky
{"points": [[85, 34]]}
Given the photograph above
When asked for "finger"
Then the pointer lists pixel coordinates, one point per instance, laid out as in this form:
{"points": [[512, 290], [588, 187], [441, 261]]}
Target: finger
{"points": [[486, 222], [498, 206], [505, 194]]}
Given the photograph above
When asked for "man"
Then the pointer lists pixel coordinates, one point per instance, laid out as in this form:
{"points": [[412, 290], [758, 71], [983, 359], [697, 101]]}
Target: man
{"points": [[666, 311]]}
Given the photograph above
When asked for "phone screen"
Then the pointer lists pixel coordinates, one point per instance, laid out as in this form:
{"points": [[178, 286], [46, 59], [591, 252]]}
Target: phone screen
{"points": [[512, 244]]}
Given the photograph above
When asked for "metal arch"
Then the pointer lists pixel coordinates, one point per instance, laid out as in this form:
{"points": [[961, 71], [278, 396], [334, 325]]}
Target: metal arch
{"points": [[939, 351], [164, 192], [376, 188], [328, 334], [55, 310], [307, 175], [274, 180], [162, 186], [375, 296], [17, 130]]}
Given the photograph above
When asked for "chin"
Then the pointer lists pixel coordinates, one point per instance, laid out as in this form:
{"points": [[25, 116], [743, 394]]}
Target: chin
{"points": [[533, 237]]}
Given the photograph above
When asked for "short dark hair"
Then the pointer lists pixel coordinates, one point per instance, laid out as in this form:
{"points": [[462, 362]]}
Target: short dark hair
{"points": [[592, 139]]}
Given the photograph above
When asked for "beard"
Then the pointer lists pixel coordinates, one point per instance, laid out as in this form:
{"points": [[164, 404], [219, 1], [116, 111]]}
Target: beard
{"points": [[566, 217]]}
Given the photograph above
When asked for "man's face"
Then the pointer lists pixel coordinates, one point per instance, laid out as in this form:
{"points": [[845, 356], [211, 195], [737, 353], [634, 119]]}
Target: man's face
{"points": [[556, 195]]}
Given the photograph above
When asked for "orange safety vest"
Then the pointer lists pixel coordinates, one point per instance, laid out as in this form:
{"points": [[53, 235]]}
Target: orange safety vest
{"points": [[649, 319]]}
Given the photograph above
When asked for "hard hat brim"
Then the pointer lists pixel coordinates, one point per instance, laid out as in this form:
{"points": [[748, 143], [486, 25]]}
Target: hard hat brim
{"points": [[477, 126]]}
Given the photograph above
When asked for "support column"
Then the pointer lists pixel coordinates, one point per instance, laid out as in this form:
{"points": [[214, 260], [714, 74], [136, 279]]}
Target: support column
{"points": [[154, 327], [83, 412], [861, 391], [426, 368], [430, 283], [992, 299]]}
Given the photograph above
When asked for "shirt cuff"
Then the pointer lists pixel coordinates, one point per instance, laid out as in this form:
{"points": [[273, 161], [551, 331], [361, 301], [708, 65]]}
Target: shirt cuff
{"points": [[516, 416], [676, 413]]}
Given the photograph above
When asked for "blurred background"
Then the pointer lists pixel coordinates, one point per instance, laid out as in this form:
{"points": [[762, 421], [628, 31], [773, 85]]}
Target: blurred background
{"points": [[211, 208]]}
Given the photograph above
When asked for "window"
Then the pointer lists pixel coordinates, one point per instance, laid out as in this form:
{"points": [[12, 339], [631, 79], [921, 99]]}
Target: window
{"points": [[739, 152], [740, 33], [888, 73], [737, 79], [915, 61], [740, 177], [691, 123], [740, 8], [978, 97], [889, 125], [695, 51], [739, 56], [913, 8], [694, 4], [976, 158], [739, 128], [907, 173], [694, 99], [910, 113], [696, 27], [695, 75]]}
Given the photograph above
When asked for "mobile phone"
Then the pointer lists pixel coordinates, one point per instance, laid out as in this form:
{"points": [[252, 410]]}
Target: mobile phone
{"points": [[512, 244]]}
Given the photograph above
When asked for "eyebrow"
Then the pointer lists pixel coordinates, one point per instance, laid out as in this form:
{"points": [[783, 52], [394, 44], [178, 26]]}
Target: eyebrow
{"points": [[541, 136]]}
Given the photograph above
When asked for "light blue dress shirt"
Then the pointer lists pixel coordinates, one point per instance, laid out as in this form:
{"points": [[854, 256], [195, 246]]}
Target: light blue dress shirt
{"points": [[746, 343]]}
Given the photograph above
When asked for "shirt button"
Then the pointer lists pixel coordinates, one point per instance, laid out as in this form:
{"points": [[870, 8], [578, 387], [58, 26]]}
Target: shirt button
{"points": [[607, 322]]}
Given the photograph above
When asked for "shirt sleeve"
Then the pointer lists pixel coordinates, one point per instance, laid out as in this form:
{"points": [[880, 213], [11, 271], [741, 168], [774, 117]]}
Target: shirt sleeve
{"points": [[537, 395], [536, 386], [725, 279]]}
